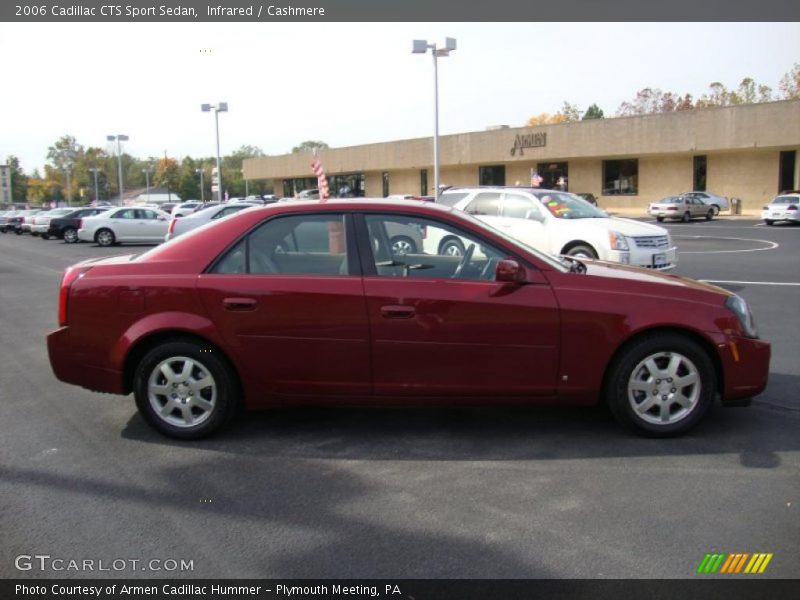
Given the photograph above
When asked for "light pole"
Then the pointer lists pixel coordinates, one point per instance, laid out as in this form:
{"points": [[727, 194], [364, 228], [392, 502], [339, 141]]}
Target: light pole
{"points": [[421, 47], [67, 167], [147, 181], [119, 138], [217, 108], [246, 184], [202, 191], [96, 193]]}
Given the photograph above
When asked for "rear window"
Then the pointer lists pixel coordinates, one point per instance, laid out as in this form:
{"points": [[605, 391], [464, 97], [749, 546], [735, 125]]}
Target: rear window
{"points": [[786, 200]]}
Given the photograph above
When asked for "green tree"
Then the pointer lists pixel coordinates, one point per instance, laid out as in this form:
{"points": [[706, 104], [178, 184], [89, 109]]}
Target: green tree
{"points": [[593, 112], [19, 181], [189, 180], [309, 146], [167, 174]]}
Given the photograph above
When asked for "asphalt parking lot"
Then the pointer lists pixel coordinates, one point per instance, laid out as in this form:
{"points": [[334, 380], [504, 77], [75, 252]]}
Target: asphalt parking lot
{"points": [[440, 493]]}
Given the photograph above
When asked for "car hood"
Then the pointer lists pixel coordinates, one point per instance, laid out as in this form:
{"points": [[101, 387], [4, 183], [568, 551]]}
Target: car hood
{"points": [[627, 227], [596, 268]]}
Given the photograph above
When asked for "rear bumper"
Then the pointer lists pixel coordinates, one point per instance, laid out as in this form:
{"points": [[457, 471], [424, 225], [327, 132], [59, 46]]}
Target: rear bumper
{"points": [[70, 367]]}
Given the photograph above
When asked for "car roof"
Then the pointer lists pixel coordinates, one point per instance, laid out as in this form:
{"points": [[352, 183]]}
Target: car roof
{"points": [[515, 188]]}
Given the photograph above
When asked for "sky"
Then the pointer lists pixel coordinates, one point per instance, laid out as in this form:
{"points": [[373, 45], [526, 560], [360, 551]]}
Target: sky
{"points": [[346, 84]]}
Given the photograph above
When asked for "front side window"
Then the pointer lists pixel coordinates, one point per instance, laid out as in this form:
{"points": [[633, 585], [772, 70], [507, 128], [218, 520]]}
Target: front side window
{"points": [[128, 213], [567, 206], [292, 245], [415, 247], [621, 177], [519, 207]]}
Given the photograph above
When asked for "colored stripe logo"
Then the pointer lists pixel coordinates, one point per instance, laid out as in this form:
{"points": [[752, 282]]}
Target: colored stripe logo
{"points": [[736, 563]]}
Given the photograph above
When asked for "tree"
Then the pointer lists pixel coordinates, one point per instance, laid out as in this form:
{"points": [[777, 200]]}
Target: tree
{"points": [[789, 85], [19, 181], [593, 112], [570, 112], [309, 146], [167, 173], [189, 180]]}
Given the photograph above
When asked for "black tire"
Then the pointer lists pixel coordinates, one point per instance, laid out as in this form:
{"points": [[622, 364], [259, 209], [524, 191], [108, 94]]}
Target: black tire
{"points": [[18, 231], [710, 214], [660, 219], [209, 363], [402, 244], [622, 369], [34, 234], [70, 235], [687, 216], [769, 222], [716, 209], [44, 236], [451, 247], [105, 237], [581, 250]]}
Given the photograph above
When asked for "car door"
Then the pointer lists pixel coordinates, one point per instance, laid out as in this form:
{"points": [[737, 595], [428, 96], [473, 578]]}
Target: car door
{"points": [[441, 326], [288, 298], [523, 218], [152, 225], [123, 224]]}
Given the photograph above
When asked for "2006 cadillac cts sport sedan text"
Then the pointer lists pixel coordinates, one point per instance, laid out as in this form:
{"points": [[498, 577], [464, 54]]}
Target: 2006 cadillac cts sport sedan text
{"points": [[308, 302]]}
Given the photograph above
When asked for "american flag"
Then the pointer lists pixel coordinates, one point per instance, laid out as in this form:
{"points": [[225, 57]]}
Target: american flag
{"points": [[536, 179], [322, 180]]}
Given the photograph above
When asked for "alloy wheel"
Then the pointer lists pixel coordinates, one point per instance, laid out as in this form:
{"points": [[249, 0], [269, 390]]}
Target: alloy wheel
{"points": [[664, 388], [182, 391]]}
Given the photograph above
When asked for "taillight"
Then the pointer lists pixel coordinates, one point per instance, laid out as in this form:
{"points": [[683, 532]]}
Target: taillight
{"points": [[70, 276], [172, 226], [792, 207]]}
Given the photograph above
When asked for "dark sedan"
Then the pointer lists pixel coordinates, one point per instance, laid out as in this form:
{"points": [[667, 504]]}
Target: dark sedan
{"points": [[251, 310], [66, 227]]}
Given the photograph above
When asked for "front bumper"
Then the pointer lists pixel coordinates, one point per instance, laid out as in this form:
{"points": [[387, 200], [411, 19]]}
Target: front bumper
{"points": [[746, 365], [658, 259]]}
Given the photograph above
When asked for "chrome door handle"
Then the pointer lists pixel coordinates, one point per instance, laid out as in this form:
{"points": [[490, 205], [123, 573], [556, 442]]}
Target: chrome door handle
{"points": [[397, 312]]}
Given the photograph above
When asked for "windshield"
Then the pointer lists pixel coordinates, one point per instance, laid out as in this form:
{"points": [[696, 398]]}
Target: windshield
{"points": [[567, 206]]}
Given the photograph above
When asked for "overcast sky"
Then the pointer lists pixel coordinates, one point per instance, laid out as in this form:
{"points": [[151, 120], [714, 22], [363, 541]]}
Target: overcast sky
{"points": [[345, 84]]}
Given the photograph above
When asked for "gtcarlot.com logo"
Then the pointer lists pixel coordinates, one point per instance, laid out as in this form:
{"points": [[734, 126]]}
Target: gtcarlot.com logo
{"points": [[736, 563], [45, 562]]}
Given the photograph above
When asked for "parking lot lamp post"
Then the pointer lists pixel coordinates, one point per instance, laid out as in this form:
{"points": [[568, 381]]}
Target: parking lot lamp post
{"points": [[147, 182], [202, 191], [67, 167], [94, 170], [217, 108], [421, 47], [119, 138], [246, 185]]}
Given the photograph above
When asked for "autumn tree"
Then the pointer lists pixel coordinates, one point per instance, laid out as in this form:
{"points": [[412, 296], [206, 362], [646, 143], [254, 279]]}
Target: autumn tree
{"points": [[789, 85], [167, 174]]}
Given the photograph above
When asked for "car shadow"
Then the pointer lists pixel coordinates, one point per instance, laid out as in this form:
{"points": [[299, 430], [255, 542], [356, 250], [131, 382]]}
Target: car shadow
{"points": [[757, 433]]}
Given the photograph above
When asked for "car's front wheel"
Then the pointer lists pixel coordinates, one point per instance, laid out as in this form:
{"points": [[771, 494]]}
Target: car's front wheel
{"points": [[661, 385], [403, 245], [581, 251], [185, 390], [451, 247], [710, 214], [105, 237], [660, 219], [687, 216]]}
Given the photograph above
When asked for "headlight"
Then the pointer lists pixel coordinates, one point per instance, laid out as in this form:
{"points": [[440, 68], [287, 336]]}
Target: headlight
{"points": [[739, 307], [617, 241]]}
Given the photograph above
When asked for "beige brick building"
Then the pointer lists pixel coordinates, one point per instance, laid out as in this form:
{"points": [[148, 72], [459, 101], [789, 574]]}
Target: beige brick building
{"points": [[747, 151]]}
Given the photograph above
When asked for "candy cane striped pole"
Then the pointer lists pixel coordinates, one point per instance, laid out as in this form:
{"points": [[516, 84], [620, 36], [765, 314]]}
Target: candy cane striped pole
{"points": [[322, 180]]}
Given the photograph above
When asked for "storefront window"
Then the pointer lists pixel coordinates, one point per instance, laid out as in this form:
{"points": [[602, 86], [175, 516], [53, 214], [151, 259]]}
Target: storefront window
{"points": [[423, 182], [494, 175], [621, 177], [699, 179], [385, 177]]}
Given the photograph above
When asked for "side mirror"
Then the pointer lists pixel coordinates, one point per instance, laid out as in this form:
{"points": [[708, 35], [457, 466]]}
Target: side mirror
{"points": [[509, 271]]}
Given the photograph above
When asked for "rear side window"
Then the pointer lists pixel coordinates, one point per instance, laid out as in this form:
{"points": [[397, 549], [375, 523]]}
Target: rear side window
{"points": [[485, 203], [294, 245], [452, 199]]}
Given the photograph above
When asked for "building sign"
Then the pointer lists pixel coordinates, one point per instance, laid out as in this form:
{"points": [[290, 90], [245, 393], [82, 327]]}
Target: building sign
{"points": [[528, 140]]}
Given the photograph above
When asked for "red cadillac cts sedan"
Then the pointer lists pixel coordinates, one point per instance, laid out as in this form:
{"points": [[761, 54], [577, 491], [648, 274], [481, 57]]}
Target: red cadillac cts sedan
{"points": [[320, 303]]}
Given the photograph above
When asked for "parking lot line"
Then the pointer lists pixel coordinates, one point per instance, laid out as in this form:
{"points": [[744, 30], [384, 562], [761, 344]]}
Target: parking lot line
{"points": [[769, 245]]}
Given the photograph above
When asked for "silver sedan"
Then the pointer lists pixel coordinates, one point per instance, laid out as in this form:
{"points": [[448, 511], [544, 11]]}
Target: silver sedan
{"points": [[177, 226], [683, 208]]}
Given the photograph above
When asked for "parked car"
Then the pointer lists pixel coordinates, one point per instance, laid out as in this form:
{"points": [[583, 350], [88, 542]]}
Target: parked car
{"points": [[782, 208], [240, 313], [309, 195], [202, 217], [126, 224], [168, 206], [559, 223], [681, 208], [7, 220], [185, 208], [66, 227], [718, 202], [28, 216], [590, 198], [41, 222]]}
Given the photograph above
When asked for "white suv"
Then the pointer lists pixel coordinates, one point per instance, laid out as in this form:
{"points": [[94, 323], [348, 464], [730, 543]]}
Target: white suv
{"points": [[560, 223]]}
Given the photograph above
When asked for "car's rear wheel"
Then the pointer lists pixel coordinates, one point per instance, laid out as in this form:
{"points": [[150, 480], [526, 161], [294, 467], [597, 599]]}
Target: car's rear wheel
{"points": [[403, 245], [44, 236], [687, 216], [769, 222], [451, 247], [710, 214], [105, 237], [661, 385], [70, 235], [581, 251], [660, 219], [185, 390]]}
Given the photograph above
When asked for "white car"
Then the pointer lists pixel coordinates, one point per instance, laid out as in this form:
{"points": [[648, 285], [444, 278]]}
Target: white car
{"points": [[185, 208], [126, 224], [41, 222], [203, 216], [785, 207], [559, 223], [718, 202]]}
